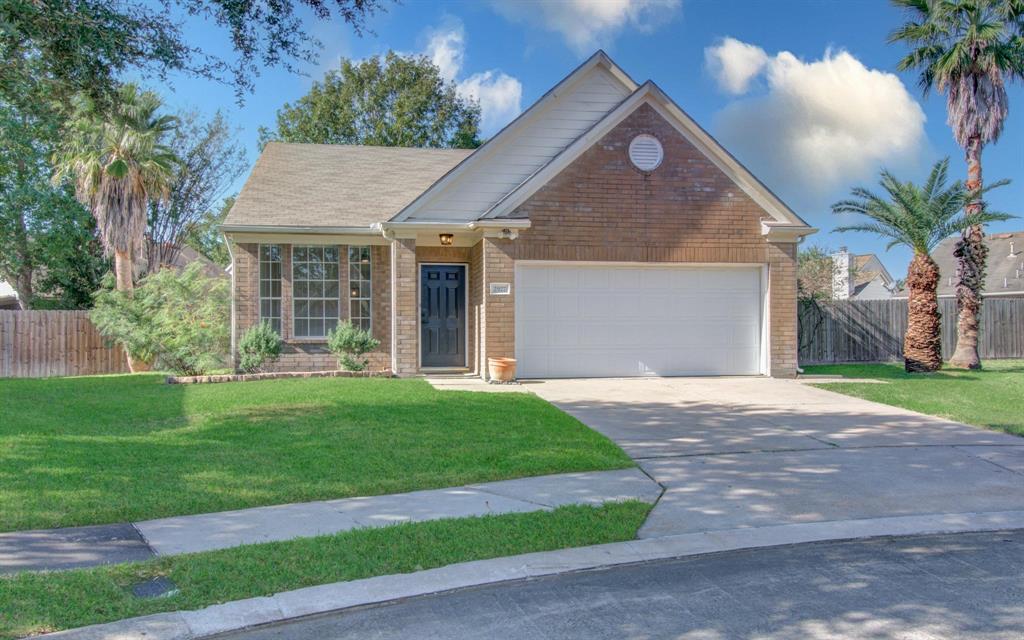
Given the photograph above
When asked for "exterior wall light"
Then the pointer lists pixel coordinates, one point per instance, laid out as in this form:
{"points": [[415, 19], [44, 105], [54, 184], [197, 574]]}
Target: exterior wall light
{"points": [[446, 239]]}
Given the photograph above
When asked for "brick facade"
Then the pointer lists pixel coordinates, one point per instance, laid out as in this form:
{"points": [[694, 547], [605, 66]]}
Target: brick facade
{"points": [[599, 208], [311, 354], [602, 208]]}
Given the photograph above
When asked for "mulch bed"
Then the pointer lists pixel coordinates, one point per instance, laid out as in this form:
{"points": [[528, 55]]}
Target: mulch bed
{"points": [[246, 377]]}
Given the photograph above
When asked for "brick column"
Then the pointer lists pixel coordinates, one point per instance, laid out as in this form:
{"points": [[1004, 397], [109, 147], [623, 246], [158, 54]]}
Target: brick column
{"points": [[497, 320], [782, 322], [406, 313]]}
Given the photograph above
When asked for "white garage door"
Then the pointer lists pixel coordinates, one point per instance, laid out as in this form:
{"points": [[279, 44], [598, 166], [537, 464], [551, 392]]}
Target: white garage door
{"points": [[613, 320]]}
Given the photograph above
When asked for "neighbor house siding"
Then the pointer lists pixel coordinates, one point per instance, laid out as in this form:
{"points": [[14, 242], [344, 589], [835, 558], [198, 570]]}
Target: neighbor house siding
{"points": [[311, 354], [511, 161]]}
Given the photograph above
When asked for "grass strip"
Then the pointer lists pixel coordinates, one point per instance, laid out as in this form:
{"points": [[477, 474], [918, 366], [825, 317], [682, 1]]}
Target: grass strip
{"points": [[32, 603], [990, 397]]}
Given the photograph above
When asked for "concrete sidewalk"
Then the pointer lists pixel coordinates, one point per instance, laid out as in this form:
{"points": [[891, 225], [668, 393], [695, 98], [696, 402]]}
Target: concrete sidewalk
{"points": [[88, 546]]}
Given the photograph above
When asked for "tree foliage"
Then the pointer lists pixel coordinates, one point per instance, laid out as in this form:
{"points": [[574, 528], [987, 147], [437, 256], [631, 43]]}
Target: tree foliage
{"points": [[179, 319], [391, 100], [119, 163], [206, 237], [210, 159], [816, 272], [71, 46], [48, 247], [918, 217]]}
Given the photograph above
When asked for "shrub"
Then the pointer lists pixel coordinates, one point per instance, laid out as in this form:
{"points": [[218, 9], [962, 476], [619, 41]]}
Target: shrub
{"points": [[260, 345], [177, 318], [349, 343]]}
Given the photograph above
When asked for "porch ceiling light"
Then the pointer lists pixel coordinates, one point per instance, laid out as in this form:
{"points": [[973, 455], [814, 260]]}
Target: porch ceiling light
{"points": [[446, 239]]}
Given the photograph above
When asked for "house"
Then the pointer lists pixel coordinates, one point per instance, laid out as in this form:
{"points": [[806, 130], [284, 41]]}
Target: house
{"points": [[601, 233], [8, 297], [861, 277], [1004, 267]]}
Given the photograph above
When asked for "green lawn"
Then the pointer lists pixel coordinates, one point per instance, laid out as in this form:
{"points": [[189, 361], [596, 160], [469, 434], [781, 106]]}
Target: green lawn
{"points": [[41, 602], [77, 451], [992, 397]]}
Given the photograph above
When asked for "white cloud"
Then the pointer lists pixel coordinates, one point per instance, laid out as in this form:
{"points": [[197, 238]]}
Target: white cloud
{"points": [[588, 24], [734, 64], [500, 97], [823, 126], [499, 94], [446, 49]]}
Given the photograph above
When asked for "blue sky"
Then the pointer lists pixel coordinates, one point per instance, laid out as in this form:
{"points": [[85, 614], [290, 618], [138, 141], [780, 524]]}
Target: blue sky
{"points": [[805, 93]]}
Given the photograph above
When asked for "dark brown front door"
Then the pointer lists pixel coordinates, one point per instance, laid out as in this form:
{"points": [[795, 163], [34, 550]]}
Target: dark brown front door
{"points": [[443, 315]]}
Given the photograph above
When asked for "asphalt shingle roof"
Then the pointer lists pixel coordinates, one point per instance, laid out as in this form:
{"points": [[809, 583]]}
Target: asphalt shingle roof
{"points": [[330, 185], [1002, 267]]}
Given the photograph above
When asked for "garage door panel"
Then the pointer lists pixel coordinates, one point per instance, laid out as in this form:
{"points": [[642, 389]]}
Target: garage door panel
{"points": [[616, 320]]}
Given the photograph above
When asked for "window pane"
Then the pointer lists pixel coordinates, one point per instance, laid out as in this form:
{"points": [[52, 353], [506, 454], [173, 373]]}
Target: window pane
{"points": [[330, 324], [276, 324], [354, 273], [316, 328], [364, 289], [364, 269], [301, 328], [316, 309], [301, 309], [364, 308], [330, 254], [301, 290], [275, 308], [331, 271], [275, 289], [275, 270], [299, 254], [331, 289]]}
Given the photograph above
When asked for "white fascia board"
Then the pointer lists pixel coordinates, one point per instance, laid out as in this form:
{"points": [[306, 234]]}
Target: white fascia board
{"points": [[488, 148], [308, 230], [775, 231], [651, 94]]}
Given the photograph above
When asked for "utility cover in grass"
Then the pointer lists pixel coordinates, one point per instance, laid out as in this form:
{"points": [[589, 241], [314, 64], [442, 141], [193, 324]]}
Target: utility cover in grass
{"points": [[159, 587]]}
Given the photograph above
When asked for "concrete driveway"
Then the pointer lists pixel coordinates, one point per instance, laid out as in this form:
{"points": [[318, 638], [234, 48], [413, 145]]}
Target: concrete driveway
{"points": [[753, 452]]}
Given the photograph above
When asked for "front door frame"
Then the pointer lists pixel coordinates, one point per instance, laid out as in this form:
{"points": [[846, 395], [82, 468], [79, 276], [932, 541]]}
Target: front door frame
{"points": [[419, 306]]}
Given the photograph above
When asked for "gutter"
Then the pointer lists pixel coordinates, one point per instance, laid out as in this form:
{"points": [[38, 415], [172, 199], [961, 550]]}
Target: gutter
{"points": [[260, 228]]}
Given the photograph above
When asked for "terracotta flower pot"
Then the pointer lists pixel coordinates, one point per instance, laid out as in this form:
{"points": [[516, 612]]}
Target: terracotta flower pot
{"points": [[502, 369], [138, 365]]}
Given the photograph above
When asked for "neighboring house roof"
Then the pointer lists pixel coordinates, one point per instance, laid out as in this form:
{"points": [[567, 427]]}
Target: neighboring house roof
{"points": [[8, 296], [1004, 273], [321, 185], [186, 256], [867, 269]]}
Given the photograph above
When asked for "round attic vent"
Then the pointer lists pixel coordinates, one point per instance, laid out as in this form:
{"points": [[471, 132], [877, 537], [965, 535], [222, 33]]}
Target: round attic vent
{"points": [[645, 152]]}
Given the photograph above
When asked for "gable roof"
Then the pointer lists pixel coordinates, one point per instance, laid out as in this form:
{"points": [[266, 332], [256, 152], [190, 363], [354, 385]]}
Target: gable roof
{"points": [[1000, 266], [327, 185], [527, 143], [650, 93], [864, 275]]}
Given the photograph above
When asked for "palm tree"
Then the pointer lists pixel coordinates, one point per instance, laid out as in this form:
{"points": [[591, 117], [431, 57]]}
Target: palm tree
{"points": [[919, 218], [967, 49], [119, 163]]}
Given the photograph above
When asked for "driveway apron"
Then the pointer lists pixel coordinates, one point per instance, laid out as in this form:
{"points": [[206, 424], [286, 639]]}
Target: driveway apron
{"points": [[751, 452]]}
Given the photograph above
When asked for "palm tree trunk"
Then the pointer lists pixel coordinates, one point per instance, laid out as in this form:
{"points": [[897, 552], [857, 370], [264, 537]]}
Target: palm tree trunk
{"points": [[124, 270], [970, 254], [922, 345]]}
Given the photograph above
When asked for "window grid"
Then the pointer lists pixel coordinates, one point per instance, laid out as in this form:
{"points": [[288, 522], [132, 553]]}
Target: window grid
{"points": [[360, 288], [316, 292], [270, 285]]}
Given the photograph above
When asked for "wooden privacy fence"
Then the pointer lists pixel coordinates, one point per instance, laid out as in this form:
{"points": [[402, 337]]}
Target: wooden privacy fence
{"points": [[872, 330], [36, 344]]}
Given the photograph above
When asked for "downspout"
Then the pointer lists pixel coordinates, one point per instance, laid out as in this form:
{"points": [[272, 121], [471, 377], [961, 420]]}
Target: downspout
{"points": [[234, 274], [390, 235]]}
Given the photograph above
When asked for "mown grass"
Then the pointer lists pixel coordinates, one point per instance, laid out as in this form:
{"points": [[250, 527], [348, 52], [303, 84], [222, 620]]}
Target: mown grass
{"points": [[42, 602], [992, 397], [103, 449]]}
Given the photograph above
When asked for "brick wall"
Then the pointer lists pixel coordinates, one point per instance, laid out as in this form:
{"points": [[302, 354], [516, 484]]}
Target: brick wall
{"points": [[601, 208], [406, 307], [782, 320], [498, 311], [311, 355]]}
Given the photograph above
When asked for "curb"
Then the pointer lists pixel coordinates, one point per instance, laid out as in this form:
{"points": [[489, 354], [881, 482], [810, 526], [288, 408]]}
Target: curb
{"points": [[241, 614]]}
